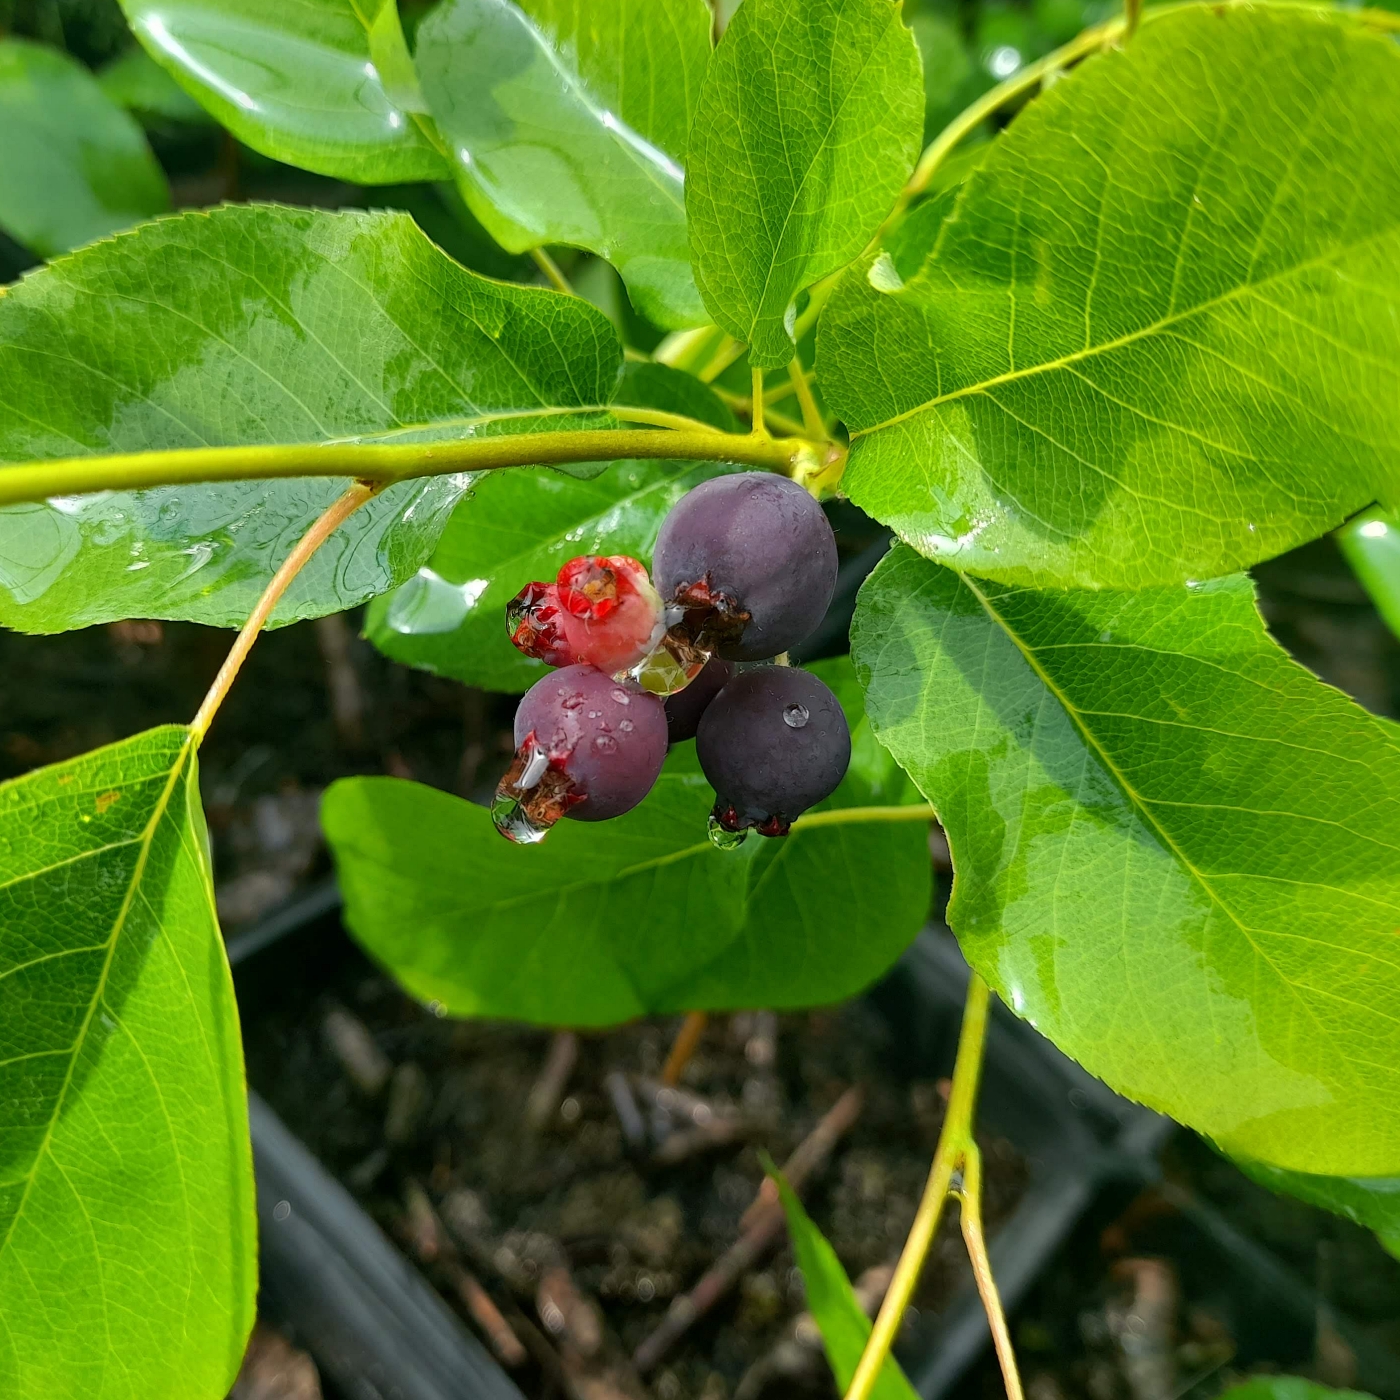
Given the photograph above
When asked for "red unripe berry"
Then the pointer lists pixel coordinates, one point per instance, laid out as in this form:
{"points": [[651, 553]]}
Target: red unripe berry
{"points": [[611, 615], [533, 621]]}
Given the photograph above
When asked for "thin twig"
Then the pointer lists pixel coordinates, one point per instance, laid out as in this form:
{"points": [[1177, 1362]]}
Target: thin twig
{"points": [[951, 1152], [324, 527], [970, 1196], [548, 1089], [683, 1047], [763, 1227]]}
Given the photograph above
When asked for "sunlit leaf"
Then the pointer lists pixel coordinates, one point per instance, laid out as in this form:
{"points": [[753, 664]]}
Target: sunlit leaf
{"points": [[138, 83], [1159, 338], [127, 1234], [73, 165], [602, 923], [567, 121], [262, 325], [809, 122], [324, 84], [1176, 850]]}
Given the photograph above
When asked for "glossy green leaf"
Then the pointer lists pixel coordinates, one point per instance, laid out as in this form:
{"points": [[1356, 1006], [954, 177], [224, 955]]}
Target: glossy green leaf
{"points": [[324, 84], [1289, 1388], [567, 121], [138, 83], [603, 923], [1176, 850], [809, 122], [1160, 337], [832, 1301], [1372, 1201], [262, 325], [127, 1233], [73, 165], [449, 618], [1371, 544]]}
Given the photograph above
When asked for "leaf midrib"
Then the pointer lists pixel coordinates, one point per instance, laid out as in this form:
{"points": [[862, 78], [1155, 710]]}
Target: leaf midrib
{"points": [[1155, 328], [147, 840], [1139, 804]]}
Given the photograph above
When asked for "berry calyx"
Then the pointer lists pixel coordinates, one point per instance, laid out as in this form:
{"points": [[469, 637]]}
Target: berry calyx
{"points": [[587, 747], [534, 621]]}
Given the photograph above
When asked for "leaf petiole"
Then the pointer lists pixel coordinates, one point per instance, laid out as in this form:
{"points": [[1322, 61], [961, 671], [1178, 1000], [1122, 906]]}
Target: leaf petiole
{"points": [[955, 1143]]}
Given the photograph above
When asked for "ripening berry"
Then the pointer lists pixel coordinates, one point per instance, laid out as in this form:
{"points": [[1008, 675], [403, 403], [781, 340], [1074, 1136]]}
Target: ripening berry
{"points": [[772, 743], [684, 707], [752, 559], [587, 747]]}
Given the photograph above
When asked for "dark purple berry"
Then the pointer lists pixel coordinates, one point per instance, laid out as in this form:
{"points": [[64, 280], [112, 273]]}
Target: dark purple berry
{"points": [[772, 742], [752, 560], [684, 708], [587, 747]]}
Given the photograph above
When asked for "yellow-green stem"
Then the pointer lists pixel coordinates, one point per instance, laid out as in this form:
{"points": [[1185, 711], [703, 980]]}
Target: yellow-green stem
{"points": [[324, 527], [760, 422], [811, 415], [970, 1199], [552, 271], [847, 816], [383, 464], [951, 1153]]}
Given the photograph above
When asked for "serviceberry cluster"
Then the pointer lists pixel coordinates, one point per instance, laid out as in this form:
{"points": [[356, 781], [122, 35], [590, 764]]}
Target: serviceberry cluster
{"points": [[744, 568]]}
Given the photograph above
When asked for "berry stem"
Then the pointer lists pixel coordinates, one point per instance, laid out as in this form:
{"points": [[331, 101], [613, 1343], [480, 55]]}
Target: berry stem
{"points": [[552, 270], [852, 816], [811, 415], [324, 527], [955, 1142], [383, 464], [760, 422]]}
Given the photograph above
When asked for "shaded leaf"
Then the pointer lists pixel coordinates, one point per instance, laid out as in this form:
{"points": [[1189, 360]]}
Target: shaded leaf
{"points": [[602, 923], [449, 618], [261, 325], [566, 120], [809, 122], [1158, 340], [138, 83], [127, 1232], [1175, 848], [1289, 1388], [1370, 1201], [73, 165], [832, 1301], [1371, 544], [324, 84]]}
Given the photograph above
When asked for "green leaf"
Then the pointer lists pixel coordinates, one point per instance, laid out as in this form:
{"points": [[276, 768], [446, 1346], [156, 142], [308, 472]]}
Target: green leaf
{"points": [[567, 123], [73, 165], [1289, 1388], [324, 84], [138, 83], [810, 119], [449, 618], [603, 923], [1371, 543], [832, 1301], [127, 1233], [1159, 338], [1370, 1201], [262, 325], [1176, 850]]}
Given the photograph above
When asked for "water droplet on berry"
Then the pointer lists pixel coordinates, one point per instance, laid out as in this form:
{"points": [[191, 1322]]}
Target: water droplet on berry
{"points": [[621, 696], [534, 769], [594, 714], [513, 822], [626, 726], [795, 716], [605, 743], [572, 702], [722, 838]]}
